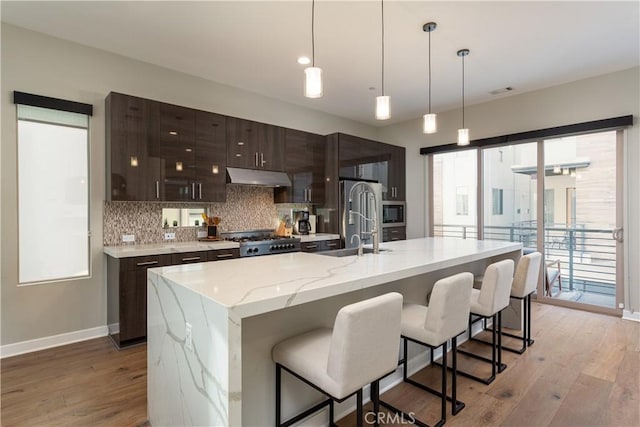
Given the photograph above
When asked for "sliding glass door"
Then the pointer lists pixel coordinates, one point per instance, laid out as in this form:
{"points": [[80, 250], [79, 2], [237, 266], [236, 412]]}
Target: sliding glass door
{"points": [[561, 197], [581, 230]]}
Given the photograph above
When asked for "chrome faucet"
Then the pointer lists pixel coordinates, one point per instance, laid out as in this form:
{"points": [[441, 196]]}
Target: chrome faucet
{"points": [[360, 249], [374, 219]]}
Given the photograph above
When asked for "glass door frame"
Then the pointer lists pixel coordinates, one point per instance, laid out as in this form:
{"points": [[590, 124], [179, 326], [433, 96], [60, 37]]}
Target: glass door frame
{"points": [[620, 273]]}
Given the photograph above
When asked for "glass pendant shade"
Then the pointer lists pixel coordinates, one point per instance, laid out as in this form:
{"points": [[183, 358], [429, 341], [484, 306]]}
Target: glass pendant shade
{"points": [[383, 111], [463, 136], [313, 82], [429, 123]]}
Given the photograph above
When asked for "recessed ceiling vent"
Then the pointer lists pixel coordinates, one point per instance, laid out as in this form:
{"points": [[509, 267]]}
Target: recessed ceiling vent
{"points": [[501, 90]]}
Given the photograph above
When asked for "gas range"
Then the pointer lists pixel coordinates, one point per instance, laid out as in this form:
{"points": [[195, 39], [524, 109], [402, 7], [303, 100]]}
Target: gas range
{"points": [[262, 242]]}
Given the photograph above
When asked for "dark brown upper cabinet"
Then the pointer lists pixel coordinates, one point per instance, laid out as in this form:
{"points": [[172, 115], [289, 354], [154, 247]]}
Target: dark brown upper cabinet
{"points": [[177, 130], [163, 152], [360, 158], [254, 145], [211, 157], [132, 149], [305, 165]]}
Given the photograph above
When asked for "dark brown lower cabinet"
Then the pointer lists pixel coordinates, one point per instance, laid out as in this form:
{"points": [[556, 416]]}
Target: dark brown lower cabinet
{"points": [[320, 245], [391, 234], [127, 289]]}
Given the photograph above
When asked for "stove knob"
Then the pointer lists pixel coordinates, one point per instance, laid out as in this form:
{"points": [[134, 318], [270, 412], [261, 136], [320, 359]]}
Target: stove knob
{"points": [[290, 245], [271, 247]]}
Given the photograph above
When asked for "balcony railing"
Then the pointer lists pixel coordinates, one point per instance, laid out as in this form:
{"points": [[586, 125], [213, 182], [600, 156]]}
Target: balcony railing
{"points": [[587, 255]]}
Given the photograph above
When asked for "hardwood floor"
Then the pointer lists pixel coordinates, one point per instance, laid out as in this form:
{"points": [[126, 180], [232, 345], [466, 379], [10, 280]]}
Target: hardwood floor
{"points": [[583, 370], [84, 384]]}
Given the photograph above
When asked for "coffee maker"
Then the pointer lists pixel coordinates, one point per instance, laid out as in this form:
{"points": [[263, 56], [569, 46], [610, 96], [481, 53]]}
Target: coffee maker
{"points": [[301, 223]]}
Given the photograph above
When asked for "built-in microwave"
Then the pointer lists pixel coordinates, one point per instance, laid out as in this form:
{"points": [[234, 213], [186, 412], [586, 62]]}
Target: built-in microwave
{"points": [[393, 213]]}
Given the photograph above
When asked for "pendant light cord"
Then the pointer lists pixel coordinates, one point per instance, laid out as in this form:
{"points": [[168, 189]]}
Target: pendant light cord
{"points": [[313, 33], [429, 72], [382, 8], [463, 91]]}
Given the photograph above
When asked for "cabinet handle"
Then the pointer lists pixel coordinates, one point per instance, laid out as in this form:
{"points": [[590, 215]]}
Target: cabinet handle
{"points": [[193, 258], [395, 238], [200, 190], [157, 189], [305, 194], [309, 199], [394, 231], [256, 159], [193, 190], [141, 264], [262, 160], [332, 244], [224, 256], [311, 246]]}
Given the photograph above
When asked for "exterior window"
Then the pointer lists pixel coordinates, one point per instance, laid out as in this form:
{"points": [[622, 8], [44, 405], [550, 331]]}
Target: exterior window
{"points": [[497, 201], [53, 195], [462, 201]]}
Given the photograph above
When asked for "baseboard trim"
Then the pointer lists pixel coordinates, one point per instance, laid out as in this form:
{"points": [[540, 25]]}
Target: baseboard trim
{"points": [[38, 344], [631, 315]]}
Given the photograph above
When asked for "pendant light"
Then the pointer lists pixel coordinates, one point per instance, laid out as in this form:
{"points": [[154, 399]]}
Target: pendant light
{"points": [[313, 74], [383, 110], [463, 133], [429, 119]]}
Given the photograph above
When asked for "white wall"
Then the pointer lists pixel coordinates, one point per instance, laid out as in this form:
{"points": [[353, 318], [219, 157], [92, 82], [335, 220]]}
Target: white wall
{"points": [[35, 63], [611, 95]]}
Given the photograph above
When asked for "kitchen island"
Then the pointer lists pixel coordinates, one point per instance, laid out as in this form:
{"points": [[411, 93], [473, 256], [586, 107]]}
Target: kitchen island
{"points": [[211, 326]]}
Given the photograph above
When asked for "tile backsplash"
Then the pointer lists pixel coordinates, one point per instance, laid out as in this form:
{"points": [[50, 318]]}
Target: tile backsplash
{"points": [[246, 208]]}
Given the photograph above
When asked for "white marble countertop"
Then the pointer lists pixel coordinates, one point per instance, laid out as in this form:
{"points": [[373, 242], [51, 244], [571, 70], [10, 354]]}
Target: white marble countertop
{"points": [[126, 251], [255, 285], [317, 237]]}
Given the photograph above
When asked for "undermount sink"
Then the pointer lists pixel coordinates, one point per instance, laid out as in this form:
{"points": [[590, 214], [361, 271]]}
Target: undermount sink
{"points": [[348, 252]]}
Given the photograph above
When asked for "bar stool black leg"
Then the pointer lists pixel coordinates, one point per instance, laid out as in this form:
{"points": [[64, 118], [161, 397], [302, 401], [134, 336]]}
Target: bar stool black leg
{"points": [[405, 348], [278, 385], [529, 340], [359, 408], [501, 366], [375, 398], [443, 404]]}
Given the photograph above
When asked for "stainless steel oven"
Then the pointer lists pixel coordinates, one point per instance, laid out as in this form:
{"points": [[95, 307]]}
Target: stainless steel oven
{"points": [[393, 213]]}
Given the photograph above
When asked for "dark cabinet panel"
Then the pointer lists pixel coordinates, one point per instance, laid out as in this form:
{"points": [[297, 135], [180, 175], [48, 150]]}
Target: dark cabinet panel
{"points": [[189, 257], [177, 135], [133, 160], [242, 143], [396, 186], [390, 234], [361, 158], [305, 165], [320, 245], [255, 145], [271, 141], [222, 254], [211, 157], [127, 283]]}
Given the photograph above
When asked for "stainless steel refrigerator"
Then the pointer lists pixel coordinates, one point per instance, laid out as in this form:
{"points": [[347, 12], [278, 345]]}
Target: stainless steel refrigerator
{"points": [[362, 202]]}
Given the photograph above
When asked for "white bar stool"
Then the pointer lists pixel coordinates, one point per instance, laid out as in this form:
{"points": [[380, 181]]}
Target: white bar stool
{"points": [[361, 348], [444, 319], [524, 284], [488, 302]]}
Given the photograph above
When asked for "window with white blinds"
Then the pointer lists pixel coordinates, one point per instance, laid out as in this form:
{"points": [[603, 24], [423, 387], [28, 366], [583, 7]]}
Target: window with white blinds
{"points": [[53, 195]]}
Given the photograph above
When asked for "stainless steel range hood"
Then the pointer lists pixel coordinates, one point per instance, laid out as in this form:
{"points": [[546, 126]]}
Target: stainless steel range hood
{"points": [[257, 177]]}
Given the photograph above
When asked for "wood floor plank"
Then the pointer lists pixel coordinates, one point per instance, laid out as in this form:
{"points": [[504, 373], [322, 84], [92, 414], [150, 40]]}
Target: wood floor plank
{"points": [[624, 401], [585, 404]]}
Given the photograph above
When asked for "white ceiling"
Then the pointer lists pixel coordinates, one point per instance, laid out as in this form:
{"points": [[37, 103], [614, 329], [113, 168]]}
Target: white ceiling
{"points": [[254, 45]]}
